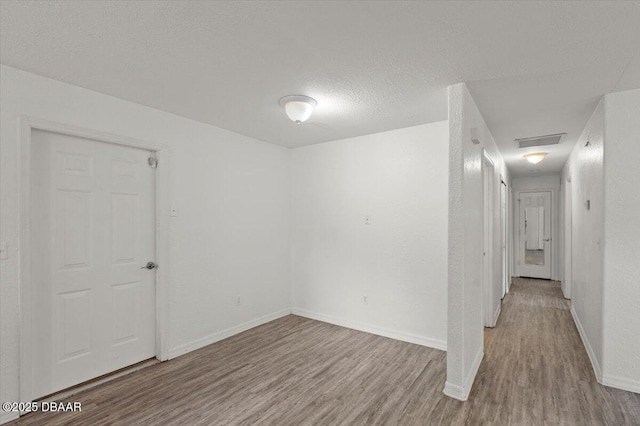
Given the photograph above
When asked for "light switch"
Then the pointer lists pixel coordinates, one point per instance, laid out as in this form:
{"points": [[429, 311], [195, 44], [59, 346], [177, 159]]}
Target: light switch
{"points": [[174, 212]]}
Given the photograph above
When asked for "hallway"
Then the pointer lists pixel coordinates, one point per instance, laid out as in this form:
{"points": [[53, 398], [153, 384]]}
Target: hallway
{"points": [[536, 369]]}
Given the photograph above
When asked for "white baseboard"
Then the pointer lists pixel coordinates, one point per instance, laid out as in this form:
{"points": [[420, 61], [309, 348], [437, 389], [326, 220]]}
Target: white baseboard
{"points": [[216, 337], [587, 345], [497, 314], [455, 392], [621, 383], [368, 328], [6, 417], [461, 393], [564, 292]]}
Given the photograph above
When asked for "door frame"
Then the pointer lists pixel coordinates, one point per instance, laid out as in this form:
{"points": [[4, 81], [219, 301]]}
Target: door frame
{"points": [[504, 235], [488, 206], [163, 154], [567, 233], [553, 232]]}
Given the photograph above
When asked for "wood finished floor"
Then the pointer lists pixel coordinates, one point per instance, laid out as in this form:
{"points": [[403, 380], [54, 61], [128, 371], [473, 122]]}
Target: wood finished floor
{"points": [[296, 371]]}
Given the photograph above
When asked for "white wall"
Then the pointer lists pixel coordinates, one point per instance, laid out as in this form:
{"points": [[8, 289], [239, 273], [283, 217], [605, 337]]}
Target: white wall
{"points": [[465, 346], [567, 232], [539, 183], [398, 261], [535, 183], [605, 247], [585, 166], [231, 236], [621, 366]]}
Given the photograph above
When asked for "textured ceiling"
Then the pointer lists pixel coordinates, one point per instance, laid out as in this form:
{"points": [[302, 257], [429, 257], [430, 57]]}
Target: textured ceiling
{"points": [[533, 67]]}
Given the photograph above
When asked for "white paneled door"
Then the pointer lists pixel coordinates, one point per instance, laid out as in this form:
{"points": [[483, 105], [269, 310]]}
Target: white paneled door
{"points": [[534, 258], [92, 233]]}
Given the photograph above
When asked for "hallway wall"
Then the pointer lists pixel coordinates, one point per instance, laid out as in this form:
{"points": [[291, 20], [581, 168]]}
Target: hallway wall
{"points": [[622, 241], [606, 239], [585, 167]]}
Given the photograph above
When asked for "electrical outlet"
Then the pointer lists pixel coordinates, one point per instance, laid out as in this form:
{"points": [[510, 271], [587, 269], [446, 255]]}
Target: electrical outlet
{"points": [[365, 300], [367, 220], [174, 212], [238, 300]]}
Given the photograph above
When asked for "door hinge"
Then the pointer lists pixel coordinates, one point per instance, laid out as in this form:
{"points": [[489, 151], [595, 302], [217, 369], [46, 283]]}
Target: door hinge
{"points": [[153, 162]]}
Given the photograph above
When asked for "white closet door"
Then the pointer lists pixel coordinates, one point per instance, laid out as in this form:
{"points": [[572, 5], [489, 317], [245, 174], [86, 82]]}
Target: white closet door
{"points": [[92, 230]]}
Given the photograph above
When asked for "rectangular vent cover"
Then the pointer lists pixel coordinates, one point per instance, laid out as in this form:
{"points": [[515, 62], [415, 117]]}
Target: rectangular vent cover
{"points": [[540, 140]]}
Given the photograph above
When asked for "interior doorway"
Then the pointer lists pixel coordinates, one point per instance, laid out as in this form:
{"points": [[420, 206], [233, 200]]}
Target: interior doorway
{"points": [[534, 230], [491, 282], [504, 237], [91, 293]]}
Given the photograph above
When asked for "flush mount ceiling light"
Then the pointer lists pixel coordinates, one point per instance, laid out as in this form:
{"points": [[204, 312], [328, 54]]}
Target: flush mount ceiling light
{"points": [[535, 157], [298, 107]]}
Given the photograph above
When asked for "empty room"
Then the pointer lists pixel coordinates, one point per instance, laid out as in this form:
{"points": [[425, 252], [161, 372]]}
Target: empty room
{"points": [[319, 212]]}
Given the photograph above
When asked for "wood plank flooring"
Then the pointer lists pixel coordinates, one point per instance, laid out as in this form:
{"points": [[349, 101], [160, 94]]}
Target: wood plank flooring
{"points": [[296, 371]]}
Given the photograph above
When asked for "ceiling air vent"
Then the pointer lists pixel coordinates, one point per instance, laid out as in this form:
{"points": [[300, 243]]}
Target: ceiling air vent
{"points": [[540, 140]]}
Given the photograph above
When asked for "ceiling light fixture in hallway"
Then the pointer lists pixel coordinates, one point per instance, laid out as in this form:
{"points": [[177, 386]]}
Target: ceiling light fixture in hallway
{"points": [[535, 157]]}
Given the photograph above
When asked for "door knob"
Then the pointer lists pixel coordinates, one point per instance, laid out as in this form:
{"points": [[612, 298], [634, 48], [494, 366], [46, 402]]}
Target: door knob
{"points": [[547, 239], [149, 265]]}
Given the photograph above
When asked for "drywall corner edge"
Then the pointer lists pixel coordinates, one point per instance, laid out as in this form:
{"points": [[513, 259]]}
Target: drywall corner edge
{"points": [[497, 313], [461, 393], [455, 392]]}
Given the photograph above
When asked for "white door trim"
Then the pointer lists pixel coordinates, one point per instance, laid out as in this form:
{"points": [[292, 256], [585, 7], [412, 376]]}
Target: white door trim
{"points": [[488, 197], [567, 233], [26, 126], [504, 235], [554, 230]]}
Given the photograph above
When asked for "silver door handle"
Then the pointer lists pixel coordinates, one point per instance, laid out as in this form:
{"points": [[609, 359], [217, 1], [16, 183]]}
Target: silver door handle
{"points": [[547, 239], [149, 265]]}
